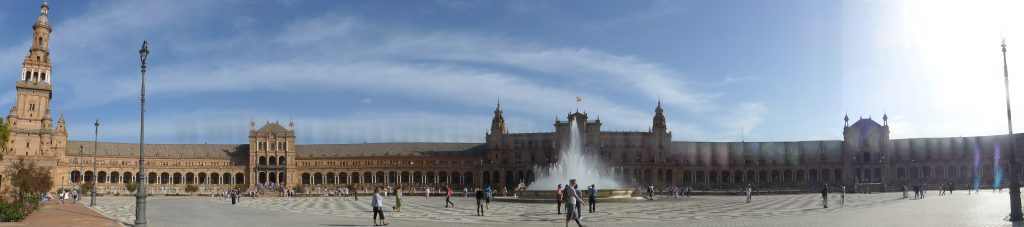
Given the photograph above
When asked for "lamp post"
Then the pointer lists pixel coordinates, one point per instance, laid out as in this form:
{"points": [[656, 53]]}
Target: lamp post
{"points": [[92, 201], [81, 151], [140, 194], [1015, 212]]}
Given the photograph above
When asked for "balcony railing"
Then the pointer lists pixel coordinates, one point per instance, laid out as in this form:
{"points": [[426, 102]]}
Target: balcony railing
{"points": [[270, 166]]}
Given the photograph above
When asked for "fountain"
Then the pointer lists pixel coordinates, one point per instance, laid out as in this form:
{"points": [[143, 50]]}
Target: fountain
{"points": [[573, 163]]}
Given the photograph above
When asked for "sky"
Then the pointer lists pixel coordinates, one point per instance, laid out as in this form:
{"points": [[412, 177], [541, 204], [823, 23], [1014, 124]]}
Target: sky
{"points": [[433, 71]]}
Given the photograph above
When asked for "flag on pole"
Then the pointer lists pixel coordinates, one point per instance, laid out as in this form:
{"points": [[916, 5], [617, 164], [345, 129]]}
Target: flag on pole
{"points": [[578, 99]]}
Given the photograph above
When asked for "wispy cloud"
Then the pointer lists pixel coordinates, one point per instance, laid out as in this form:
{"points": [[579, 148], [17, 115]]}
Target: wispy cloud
{"points": [[334, 52]]}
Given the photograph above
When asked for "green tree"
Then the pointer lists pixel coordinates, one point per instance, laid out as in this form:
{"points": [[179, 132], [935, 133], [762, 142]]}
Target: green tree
{"points": [[5, 135], [191, 188], [28, 179]]}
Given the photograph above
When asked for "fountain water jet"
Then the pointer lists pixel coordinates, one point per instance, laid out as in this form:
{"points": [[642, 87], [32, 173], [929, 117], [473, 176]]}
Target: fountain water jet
{"points": [[573, 163]]}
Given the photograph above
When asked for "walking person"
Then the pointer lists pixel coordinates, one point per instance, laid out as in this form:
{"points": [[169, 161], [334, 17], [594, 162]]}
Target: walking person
{"points": [[917, 191], [570, 201], [749, 192], [487, 197], [448, 196], [842, 196], [579, 194], [650, 192], [426, 194], [559, 197], [592, 198], [479, 202], [824, 196], [377, 202], [905, 195], [398, 199]]}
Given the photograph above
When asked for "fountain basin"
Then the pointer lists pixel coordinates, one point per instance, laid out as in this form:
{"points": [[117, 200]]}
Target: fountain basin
{"points": [[549, 196]]}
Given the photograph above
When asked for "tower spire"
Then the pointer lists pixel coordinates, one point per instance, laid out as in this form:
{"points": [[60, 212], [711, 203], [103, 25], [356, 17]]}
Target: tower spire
{"points": [[498, 122], [659, 119]]}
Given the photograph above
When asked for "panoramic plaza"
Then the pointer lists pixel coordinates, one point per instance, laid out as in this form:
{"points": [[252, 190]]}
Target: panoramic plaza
{"points": [[309, 113]]}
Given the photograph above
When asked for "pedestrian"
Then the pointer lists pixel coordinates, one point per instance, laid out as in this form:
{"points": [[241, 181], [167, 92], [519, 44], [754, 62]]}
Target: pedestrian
{"points": [[559, 197], [842, 196], [355, 192], [74, 196], [749, 192], [570, 201], [579, 194], [398, 199], [448, 196], [487, 196], [62, 193], [650, 192], [592, 198], [824, 196], [465, 192], [917, 191], [426, 194], [377, 202], [479, 202], [386, 192], [689, 191], [905, 195]]}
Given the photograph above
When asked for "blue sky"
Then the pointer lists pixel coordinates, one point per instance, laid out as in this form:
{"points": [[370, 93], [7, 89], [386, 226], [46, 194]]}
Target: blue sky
{"points": [[404, 71]]}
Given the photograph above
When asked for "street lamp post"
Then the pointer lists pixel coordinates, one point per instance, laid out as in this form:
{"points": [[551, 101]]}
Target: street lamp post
{"points": [[81, 174], [140, 194], [1015, 212], [92, 201]]}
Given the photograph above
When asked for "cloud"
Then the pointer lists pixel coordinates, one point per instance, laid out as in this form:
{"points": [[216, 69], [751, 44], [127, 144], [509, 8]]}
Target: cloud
{"points": [[331, 52]]}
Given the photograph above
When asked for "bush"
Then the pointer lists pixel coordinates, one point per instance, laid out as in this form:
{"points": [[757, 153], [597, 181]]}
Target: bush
{"points": [[10, 212], [131, 186], [85, 188], [191, 188]]}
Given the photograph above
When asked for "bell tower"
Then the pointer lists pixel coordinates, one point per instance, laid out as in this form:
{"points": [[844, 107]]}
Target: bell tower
{"points": [[29, 119]]}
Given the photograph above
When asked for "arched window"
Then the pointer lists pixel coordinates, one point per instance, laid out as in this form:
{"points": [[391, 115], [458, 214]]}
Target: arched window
{"points": [[273, 160], [262, 160], [43, 77], [281, 161], [867, 157], [28, 75], [40, 41]]}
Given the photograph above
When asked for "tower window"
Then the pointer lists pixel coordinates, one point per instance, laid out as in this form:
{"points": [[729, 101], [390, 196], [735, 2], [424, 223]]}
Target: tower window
{"points": [[43, 77], [31, 107], [40, 41], [28, 75]]}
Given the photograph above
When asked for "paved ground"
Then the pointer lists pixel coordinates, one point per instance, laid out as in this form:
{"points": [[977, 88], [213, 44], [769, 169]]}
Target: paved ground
{"points": [[56, 214], [959, 209]]}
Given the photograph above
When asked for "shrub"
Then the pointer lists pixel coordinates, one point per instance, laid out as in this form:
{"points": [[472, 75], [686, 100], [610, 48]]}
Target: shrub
{"points": [[10, 212], [191, 188], [131, 186]]}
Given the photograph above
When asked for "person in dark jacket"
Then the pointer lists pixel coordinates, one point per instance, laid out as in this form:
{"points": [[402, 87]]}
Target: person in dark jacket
{"points": [[824, 196], [479, 202]]}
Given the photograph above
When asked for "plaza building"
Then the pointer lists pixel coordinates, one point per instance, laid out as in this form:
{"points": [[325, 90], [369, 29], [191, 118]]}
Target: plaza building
{"points": [[866, 157]]}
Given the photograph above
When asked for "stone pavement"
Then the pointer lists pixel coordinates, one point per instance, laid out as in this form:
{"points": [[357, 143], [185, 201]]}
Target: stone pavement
{"points": [[886, 209], [56, 214]]}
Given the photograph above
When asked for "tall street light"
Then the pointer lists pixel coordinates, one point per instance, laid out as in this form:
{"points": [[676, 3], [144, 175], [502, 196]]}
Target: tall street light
{"points": [[1015, 212], [81, 151], [92, 201], [140, 194]]}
